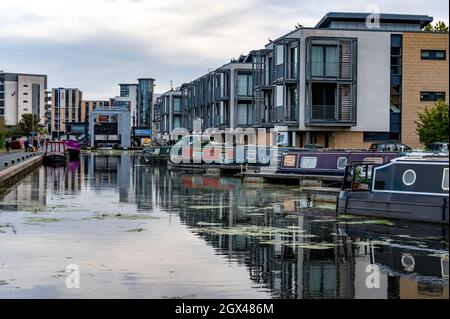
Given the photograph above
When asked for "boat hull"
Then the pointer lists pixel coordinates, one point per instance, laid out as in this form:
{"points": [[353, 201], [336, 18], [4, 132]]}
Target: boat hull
{"points": [[415, 207], [74, 153], [50, 160]]}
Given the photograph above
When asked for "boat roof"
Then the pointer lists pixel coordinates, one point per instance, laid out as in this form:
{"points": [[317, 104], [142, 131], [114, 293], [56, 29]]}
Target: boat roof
{"points": [[423, 158]]}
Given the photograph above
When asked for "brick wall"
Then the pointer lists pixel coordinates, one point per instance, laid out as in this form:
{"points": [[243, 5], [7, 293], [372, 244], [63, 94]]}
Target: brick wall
{"points": [[421, 75], [348, 140]]}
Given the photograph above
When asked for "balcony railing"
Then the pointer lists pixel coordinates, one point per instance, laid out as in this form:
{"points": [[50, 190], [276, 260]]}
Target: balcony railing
{"points": [[323, 113]]}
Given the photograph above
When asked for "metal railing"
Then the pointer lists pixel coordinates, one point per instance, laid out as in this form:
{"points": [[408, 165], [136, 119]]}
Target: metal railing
{"points": [[323, 113]]}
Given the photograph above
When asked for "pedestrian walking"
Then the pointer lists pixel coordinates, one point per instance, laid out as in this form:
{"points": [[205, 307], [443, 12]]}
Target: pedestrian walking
{"points": [[7, 144], [26, 144]]}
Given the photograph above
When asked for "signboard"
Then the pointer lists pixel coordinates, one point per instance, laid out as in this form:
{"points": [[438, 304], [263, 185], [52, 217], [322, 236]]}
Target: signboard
{"points": [[76, 128], [62, 98], [142, 132]]}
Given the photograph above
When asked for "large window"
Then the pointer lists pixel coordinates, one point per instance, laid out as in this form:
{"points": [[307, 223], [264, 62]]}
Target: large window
{"points": [[244, 85], [433, 55], [177, 104], [176, 122], [124, 91], [324, 61], [396, 61], [294, 62], [244, 114], [323, 101]]}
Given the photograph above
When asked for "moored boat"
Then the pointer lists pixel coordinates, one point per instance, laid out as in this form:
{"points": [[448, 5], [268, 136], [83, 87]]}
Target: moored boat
{"points": [[73, 146], [409, 188], [55, 153], [328, 162]]}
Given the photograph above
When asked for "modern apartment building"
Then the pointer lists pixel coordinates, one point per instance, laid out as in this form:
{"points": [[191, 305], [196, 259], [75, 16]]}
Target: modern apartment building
{"points": [[167, 114], [345, 84], [22, 94], [48, 110], [145, 102], [87, 106], [66, 109], [424, 78], [129, 99], [139, 100], [221, 99]]}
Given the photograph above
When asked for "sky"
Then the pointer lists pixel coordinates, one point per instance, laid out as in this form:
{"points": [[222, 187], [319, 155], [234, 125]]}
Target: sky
{"points": [[96, 44]]}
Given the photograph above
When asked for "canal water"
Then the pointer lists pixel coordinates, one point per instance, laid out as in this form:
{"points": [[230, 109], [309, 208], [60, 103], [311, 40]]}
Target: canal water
{"points": [[141, 231]]}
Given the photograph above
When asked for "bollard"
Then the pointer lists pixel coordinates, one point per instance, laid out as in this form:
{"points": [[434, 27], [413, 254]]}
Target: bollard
{"points": [[6, 164]]}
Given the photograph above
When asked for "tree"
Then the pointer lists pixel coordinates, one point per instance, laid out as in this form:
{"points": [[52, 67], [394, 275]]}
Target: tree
{"points": [[3, 132], [28, 124], [440, 26], [433, 124]]}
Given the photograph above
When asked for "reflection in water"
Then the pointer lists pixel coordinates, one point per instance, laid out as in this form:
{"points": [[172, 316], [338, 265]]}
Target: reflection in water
{"points": [[290, 247]]}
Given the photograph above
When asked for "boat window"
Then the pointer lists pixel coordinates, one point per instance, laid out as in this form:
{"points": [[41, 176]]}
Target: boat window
{"points": [[374, 160], [445, 180], [308, 162], [290, 161], [409, 177], [342, 162]]}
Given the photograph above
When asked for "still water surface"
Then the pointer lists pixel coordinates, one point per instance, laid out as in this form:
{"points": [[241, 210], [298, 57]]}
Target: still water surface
{"points": [[139, 231]]}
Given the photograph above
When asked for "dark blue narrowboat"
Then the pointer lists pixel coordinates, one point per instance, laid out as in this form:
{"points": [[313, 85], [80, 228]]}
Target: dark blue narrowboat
{"points": [[409, 188], [329, 162]]}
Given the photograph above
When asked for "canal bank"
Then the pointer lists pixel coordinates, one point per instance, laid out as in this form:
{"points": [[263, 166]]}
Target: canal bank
{"points": [[16, 167]]}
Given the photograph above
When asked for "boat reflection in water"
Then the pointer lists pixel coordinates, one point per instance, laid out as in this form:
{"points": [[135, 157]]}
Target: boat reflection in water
{"points": [[290, 246]]}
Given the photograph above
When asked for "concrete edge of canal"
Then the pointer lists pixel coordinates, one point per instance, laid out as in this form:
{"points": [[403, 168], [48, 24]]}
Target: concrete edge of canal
{"points": [[13, 174]]}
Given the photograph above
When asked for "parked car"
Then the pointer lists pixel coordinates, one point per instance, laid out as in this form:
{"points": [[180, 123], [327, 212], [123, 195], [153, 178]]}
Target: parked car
{"points": [[389, 147], [439, 147]]}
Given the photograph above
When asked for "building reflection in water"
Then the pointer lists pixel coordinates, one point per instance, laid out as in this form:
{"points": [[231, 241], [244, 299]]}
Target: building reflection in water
{"points": [[409, 269]]}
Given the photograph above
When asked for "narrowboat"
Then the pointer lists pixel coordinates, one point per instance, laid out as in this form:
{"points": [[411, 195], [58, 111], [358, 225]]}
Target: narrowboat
{"points": [[55, 153], [73, 146], [328, 162], [408, 188]]}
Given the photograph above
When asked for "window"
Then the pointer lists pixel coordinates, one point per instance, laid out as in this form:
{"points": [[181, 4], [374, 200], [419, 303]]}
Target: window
{"points": [[176, 122], [244, 114], [445, 180], [432, 96], [176, 104], [324, 60], [324, 101], [25, 101], [308, 162], [244, 85], [396, 61], [342, 162], [294, 62], [124, 91], [409, 177], [433, 55]]}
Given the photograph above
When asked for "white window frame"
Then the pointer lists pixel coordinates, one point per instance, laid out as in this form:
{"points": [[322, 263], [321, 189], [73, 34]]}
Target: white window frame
{"points": [[314, 159], [346, 162], [415, 177], [446, 171]]}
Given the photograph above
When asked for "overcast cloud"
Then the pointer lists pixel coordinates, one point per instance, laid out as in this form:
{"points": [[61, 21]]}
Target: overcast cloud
{"points": [[96, 44]]}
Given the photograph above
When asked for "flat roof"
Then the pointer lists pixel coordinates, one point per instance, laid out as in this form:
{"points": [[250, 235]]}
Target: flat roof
{"points": [[423, 20]]}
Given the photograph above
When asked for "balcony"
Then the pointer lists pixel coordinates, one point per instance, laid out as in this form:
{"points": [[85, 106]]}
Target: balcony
{"points": [[323, 113]]}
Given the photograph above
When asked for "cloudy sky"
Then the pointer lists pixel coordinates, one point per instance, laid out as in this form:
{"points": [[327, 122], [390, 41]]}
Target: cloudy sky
{"points": [[96, 44]]}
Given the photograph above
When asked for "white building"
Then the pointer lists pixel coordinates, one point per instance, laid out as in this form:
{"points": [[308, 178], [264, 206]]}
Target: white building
{"points": [[22, 94]]}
